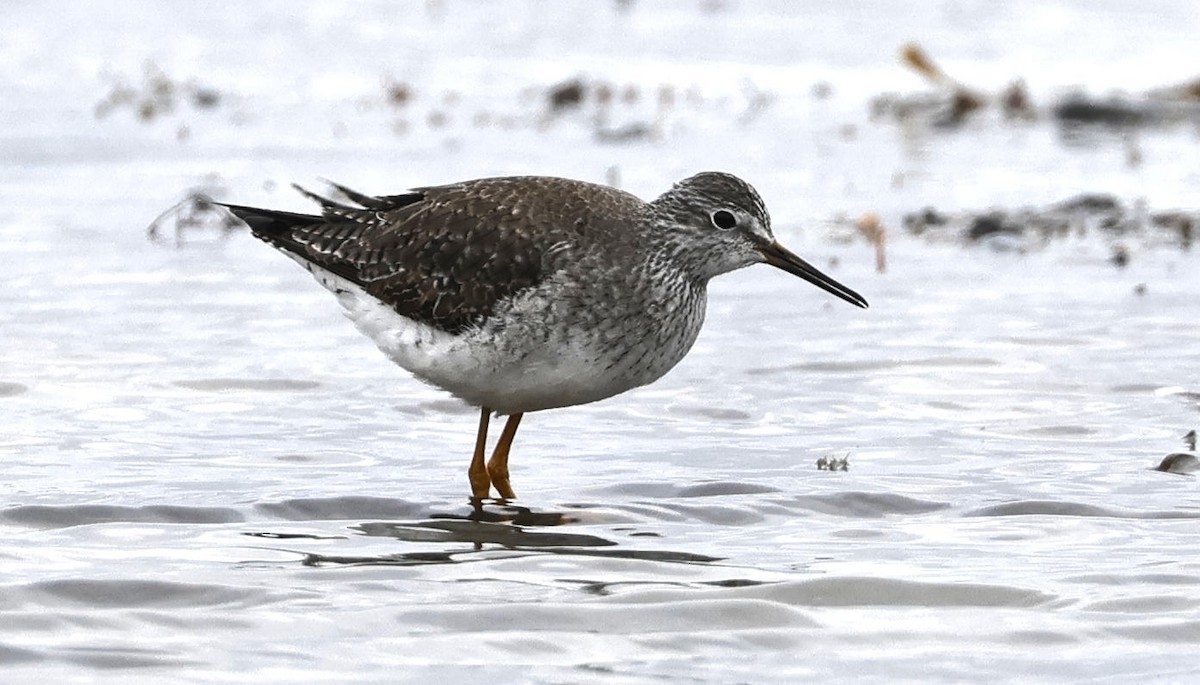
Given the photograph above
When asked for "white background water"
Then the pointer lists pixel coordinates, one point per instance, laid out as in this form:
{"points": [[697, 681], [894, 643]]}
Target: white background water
{"points": [[209, 476]]}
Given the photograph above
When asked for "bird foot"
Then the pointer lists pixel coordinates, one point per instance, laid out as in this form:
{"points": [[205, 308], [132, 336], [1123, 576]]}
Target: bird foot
{"points": [[503, 487]]}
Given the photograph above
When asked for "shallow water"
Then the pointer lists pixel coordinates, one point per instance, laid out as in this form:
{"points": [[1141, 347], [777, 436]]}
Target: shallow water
{"points": [[211, 477]]}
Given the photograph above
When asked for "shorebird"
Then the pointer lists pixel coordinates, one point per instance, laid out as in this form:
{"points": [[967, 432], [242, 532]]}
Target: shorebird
{"points": [[526, 293]]}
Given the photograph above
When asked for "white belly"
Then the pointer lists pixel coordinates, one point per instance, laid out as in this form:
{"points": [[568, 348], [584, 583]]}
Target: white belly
{"points": [[526, 365]]}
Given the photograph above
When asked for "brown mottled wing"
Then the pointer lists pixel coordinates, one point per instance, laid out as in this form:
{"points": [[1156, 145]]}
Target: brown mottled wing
{"points": [[445, 255]]}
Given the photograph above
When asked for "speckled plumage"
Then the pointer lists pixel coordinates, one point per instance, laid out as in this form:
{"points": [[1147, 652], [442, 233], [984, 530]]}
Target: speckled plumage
{"points": [[526, 293], [446, 255]]}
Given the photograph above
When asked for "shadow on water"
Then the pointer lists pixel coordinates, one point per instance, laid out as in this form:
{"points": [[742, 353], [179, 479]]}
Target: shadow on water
{"points": [[487, 526], [461, 531], [458, 534]]}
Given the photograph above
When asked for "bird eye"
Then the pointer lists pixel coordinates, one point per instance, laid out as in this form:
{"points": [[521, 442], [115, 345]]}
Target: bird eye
{"points": [[724, 219]]}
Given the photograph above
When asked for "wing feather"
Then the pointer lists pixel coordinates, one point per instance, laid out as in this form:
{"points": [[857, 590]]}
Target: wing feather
{"points": [[445, 255]]}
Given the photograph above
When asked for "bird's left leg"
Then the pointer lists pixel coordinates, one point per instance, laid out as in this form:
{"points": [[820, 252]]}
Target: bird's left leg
{"points": [[478, 472]]}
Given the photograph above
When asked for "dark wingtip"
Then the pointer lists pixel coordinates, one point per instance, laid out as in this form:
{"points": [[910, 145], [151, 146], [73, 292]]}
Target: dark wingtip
{"points": [[269, 223]]}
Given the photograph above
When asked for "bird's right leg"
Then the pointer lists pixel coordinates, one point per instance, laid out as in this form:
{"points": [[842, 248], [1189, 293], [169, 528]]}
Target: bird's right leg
{"points": [[481, 483]]}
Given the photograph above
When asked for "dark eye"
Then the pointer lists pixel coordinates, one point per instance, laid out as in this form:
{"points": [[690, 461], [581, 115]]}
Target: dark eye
{"points": [[724, 219]]}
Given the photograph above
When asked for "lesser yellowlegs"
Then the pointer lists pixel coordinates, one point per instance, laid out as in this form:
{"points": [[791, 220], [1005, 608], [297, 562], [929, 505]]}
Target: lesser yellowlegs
{"points": [[527, 293]]}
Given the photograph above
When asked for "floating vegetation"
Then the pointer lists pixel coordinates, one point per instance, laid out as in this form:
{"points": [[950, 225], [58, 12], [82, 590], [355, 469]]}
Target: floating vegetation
{"points": [[1181, 462], [616, 114], [158, 95], [834, 463], [870, 227], [195, 213], [951, 103], [565, 95], [1026, 228]]}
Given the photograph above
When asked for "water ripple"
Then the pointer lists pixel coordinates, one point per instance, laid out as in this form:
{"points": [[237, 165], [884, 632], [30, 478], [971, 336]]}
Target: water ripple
{"points": [[101, 593], [63, 516], [243, 384], [1052, 508]]}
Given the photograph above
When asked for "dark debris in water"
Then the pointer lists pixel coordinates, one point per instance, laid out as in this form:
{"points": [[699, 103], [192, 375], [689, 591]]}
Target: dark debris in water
{"points": [[951, 103], [195, 214], [566, 95], [834, 463], [615, 113], [1027, 228], [1078, 109], [948, 105], [629, 133], [157, 96], [1181, 462]]}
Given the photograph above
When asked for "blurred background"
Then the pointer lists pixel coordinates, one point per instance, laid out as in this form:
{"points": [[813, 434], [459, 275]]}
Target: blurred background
{"points": [[815, 104]]}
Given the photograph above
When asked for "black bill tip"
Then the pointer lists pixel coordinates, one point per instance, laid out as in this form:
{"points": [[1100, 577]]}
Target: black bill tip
{"points": [[780, 257]]}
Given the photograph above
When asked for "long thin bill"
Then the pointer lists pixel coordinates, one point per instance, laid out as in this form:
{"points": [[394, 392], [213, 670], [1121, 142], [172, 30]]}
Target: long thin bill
{"points": [[780, 257]]}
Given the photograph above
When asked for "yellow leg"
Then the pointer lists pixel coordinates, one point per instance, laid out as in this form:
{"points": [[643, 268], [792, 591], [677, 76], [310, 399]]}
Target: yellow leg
{"points": [[497, 466], [478, 471]]}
